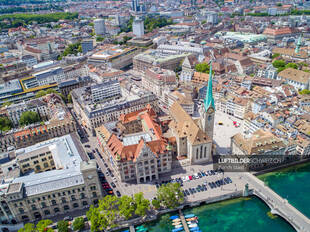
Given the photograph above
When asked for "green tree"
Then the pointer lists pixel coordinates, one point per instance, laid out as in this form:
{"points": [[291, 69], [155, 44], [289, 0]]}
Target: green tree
{"points": [[170, 195], [304, 91], [291, 65], [142, 204], [29, 117], [7, 103], [42, 226], [62, 226], [29, 227], [275, 55], [103, 217], [126, 206], [5, 124], [203, 67], [99, 39], [78, 224], [278, 63], [156, 203], [41, 93], [69, 98]]}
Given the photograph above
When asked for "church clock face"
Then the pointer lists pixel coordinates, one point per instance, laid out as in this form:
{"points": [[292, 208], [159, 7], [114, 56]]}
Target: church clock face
{"points": [[210, 110]]}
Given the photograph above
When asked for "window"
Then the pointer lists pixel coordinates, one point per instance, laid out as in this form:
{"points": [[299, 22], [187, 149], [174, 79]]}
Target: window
{"points": [[43, 204], [94, 194], [66, 207], [47, 212], [75, 205], [93, 188], [54, 202], [56, 210], [21, 210], [85, 203], [73, 198]]}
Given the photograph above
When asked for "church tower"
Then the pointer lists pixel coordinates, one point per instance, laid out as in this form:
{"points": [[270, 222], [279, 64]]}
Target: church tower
{"points": [[298, 45], [207, 109]]}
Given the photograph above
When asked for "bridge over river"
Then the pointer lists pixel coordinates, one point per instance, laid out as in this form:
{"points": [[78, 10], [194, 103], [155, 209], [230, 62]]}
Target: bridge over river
{"points": [[277, 204]]}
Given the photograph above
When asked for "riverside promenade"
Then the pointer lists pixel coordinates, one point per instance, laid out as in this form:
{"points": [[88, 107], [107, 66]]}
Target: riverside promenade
{"points": [[276, 203]]}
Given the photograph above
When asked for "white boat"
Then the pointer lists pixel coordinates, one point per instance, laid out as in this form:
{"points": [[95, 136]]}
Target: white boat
{"points": [[176, 223], [192, 225], [176, 220], [178, 226]]}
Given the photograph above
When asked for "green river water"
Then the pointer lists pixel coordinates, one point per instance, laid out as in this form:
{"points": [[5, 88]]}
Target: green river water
{"points": [[251, 214]]}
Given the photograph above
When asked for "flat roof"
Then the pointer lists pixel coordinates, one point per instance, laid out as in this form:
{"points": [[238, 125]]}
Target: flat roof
{"points": [[67, 161]]}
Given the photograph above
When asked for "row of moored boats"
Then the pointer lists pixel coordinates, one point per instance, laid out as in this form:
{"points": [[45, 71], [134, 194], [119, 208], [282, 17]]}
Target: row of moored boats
{"points": [[191, 220]]}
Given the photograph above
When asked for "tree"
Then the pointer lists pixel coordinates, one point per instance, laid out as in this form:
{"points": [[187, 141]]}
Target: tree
{"points": [[278, 63], [275, 55], [291, 65], [97, 220], [304, 91], [142, 204], [29, 227], [29, 117], [99, 39], [7, 103], [126, 206], [69, 98], [170, 195], [156, 203], [41, 93], [78, 224], [62, 226], [42, 226], [104, 216], [203, 67], [5, 124]]}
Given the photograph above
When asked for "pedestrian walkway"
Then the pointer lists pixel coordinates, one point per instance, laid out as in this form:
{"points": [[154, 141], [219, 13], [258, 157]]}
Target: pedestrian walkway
{"points": [[132, 229], [185, 226]]}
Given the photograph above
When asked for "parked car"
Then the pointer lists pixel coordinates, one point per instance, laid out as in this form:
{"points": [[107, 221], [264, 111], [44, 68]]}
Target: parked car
{"points": [[118, 193], [113, 185], [87, 146], [68, 218]]}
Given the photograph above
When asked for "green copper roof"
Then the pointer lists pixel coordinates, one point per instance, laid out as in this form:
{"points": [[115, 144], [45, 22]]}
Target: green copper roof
{"points": [[209, 101], [298, 45]]}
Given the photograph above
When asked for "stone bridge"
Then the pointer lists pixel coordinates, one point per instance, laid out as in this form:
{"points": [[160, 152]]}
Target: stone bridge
{"points": [[276, 203]]}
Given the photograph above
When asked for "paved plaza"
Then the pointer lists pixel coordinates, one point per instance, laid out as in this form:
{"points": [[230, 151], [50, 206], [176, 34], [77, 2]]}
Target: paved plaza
{"points": [[223, 133]]}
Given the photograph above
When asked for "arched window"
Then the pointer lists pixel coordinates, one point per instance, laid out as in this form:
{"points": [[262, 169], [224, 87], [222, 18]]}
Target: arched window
{"points": [[197, 150], [205, 153], [201, 152]]}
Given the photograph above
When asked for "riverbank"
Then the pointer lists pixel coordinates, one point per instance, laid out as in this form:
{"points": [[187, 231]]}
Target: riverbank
{"points": [[230, 209]]}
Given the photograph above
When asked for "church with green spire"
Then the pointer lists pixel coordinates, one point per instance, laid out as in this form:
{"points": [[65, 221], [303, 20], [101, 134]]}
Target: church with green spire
{"points": [[207, 109]]}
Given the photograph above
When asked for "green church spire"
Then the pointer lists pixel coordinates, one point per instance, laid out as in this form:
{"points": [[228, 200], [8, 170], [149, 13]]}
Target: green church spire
{"points": [[209, 101], [298, 45]]}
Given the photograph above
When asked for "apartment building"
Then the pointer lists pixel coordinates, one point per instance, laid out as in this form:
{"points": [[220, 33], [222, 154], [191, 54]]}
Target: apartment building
{"points": [[55, 179], [93, 115]]}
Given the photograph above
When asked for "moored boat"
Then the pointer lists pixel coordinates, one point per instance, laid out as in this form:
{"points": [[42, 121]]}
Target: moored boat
{"points": [[189, 215]]}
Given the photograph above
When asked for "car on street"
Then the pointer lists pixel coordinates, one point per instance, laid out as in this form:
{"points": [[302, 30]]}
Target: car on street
{"points": [[190, 177], [87, 146], [107, 173], [68, 218], [113, 185], [187, 192], [118, 193]]}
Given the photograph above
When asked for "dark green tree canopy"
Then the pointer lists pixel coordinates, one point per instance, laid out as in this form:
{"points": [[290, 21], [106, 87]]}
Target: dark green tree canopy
{"points": [[29, 117], [5, 124], [78, 224]]}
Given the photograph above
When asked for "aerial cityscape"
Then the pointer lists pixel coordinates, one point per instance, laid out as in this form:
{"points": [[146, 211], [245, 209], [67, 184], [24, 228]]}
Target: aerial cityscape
{"points": [[154, 116]]}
